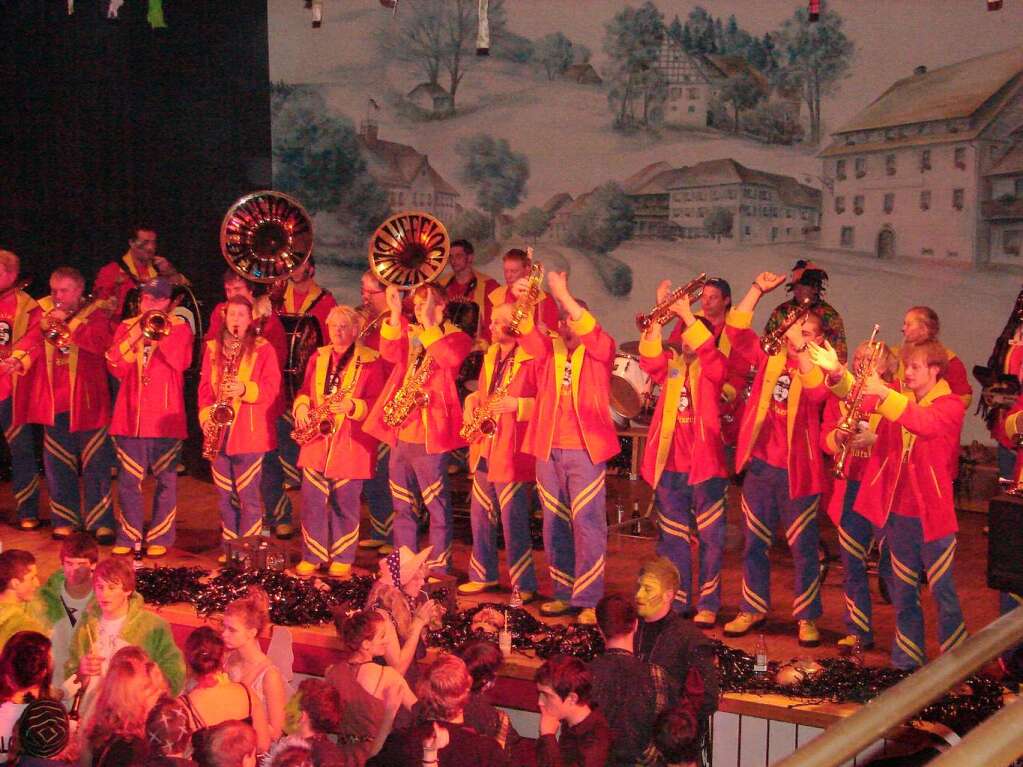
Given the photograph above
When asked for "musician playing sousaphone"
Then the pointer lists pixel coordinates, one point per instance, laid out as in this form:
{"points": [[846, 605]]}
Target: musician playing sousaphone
{"points": [[66, 372], [341, 383], [238, 387], [137, 266]]}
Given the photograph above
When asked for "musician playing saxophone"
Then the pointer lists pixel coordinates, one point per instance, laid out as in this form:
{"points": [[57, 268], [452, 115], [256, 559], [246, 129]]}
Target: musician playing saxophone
{"points": [[71, 399], [240, 371], [420, 444], [335, 465], [502, 473], [854, 530]]}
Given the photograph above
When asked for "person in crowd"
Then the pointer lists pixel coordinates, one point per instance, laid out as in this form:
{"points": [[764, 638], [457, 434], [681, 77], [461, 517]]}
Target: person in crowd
{"points": [[168, 735], [245, 620], [67, 593], [564, 693], [629, 692], [228, 744], [26, 668], [137, 266], [483, 658], [20, 609], [677, 736], [318, 709], [118, 618], [363, 636], [807, 283], [213, 697], [444, 690], [114, 732], [43, 736], [293, 752]]}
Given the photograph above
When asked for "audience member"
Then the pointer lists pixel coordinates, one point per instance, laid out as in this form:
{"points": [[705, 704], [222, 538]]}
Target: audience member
{"points": [[483, 658], [168, 735], [213, 697], [19, 608], [44, 736], [294, 753], [317, 717], [563, 687], [66, 594], [678, 736], [629, 692], [25, 671], [228, 744]]}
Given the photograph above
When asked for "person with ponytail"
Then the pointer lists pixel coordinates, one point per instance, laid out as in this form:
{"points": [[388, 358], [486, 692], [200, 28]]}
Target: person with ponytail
{"points": [[245, 620]]}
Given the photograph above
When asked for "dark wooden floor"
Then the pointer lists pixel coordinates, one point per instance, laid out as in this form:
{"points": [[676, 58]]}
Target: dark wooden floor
{"points": [[197, 544]]}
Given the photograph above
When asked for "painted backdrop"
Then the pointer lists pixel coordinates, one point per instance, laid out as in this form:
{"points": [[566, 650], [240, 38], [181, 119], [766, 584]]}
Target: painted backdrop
{"points": [[632, 143]]}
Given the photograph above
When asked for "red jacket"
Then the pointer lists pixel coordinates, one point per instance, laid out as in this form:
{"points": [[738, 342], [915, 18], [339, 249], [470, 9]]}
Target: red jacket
{"points": [[350, 453], [503, 449], [1011, 366], [806, 396], [484, 287], [834, 411], [546, 310], [270, 329], [913, 450], [87, 370], [591, 385], [447, 347], [317, 302], [150, 401], [114, 282], [954, 375], [253, 430], [706, 375], [22, 313]]}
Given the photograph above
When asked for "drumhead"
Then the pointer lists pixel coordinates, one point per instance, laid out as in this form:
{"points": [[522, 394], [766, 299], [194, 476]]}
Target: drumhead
{"points": [[304, 338]]}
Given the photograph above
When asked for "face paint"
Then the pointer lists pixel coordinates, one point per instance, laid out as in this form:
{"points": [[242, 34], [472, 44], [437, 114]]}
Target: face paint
{"points": [[650, 596]]}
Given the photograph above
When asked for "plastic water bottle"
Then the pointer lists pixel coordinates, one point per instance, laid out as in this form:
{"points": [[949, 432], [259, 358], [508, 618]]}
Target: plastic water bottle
{"points": [[760, 653], [516, 598], [137, 563]]}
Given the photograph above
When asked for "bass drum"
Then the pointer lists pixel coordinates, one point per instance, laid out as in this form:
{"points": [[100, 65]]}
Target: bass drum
{"points": [[304, 338]]}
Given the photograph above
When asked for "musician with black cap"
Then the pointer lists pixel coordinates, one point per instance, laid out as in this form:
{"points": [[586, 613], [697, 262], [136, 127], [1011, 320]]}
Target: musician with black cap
{"points": [[808, 282]]}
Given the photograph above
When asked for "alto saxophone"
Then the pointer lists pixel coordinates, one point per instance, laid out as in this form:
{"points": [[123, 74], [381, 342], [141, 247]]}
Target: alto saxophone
{"points": [[410, 394], [320, 420], [482, 422], [525, 303], [854, 406], [222, 414]]}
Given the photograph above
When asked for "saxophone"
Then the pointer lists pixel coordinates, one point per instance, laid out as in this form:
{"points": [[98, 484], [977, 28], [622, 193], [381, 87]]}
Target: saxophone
{"points": [[854, 404], [410, 394], [321, 421], [222, 414], [525, 303], [482, 422]]}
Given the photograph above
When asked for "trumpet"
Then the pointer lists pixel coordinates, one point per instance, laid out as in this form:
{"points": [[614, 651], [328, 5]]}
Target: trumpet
{"points": [[57, 331], [155, 324], [661, 313], [771, 343], [854, 406]]}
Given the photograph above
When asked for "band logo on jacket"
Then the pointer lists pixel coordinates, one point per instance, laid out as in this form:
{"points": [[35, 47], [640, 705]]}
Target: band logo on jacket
{"points": [[6, 332], [781, 393]]}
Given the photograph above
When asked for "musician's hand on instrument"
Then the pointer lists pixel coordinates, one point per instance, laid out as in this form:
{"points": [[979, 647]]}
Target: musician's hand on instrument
{"points": [[505, 405], [684, 309], [824, 357], [345, 407], [864, 439], [10, 366], [663, 289], [520, 287], [234, 389], [262, 307], [57, 313], [875, 386], [302, 416], [164, 267], [768, 281]]}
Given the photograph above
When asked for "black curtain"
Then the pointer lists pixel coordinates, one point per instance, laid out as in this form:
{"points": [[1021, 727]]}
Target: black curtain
{"points": [[104, 123]]}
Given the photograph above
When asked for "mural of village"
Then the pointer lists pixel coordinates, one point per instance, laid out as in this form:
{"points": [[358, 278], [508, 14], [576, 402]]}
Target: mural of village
{"points": [[658, 140]]}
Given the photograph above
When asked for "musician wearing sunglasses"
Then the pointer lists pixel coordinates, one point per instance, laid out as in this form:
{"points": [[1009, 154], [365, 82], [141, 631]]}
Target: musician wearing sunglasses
{"points": [[149, 355], [571, 435], [19, 315], [138, 265], [67, 373], [238, 388], [341, 383], [779, 448], [495, 420], [419, 415], [684, 460], [266, 325]]}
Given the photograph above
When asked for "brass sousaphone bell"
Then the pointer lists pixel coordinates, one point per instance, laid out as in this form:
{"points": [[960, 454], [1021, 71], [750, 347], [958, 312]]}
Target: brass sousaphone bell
{"points": [[265, 236], [409, 249]]}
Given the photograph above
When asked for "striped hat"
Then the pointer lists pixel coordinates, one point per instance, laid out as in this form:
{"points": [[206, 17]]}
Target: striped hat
{"points": [[43, 729]]}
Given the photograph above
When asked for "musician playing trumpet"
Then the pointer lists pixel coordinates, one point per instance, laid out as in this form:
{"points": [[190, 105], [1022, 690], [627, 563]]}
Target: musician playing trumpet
{"points": [[67, 374], [684, 460], [238, 388], [149, 422], [341, 382], [499, 410]]}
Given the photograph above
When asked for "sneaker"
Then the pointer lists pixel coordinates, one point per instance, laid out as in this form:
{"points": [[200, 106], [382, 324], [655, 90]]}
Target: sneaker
{"points": [[587, 617], [848, 642], [705, 619], [155, 550], [62, 532], [283, 532], [222, 559], [339, 570], [105, 536], [371, 543], [305, 569], [477, 587], [743, 623], [809, 636], [121, 550], [29, 524], [555, 607]]}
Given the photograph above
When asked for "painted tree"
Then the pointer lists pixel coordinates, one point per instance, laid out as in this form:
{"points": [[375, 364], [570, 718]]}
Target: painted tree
{"points": [[632, 41], [742, 92], [603, 222], [497, 174], [533, 223], [718, 223], [815, 58], [676, 31], [554, 54]]}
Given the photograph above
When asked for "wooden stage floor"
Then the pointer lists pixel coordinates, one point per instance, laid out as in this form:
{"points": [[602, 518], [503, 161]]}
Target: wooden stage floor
{"points": [[197, 545]]}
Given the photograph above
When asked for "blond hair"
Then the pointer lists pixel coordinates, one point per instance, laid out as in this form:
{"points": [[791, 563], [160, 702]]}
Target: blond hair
{"points": [[130, 689], [344, 314]]}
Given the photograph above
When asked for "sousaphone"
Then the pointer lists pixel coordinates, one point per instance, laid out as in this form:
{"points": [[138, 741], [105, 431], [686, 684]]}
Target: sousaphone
{"points": [[265, 236], [409, 249]]}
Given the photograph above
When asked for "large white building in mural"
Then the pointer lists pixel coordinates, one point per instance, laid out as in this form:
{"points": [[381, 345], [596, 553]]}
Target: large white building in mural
{"points": [[933, 168]]}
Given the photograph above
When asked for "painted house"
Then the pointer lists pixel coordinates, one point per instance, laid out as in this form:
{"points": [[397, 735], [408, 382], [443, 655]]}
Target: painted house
{"points": [[556, 229], [929, 169], [584, 74], [406, 175], [431, 97], [650, 195]]}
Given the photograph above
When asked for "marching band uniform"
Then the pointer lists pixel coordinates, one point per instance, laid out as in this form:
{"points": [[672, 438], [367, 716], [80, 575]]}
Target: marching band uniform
{"points": [[1012, 427], [779, 446], [502, 474], [1007, 463], [237, 467], [572, 437], [118, 278], [684, 461], [420, 446], [545, 311], [19, 321], [149, 423], [907, 489], [334, 467], [71, 399], [377, 489]]}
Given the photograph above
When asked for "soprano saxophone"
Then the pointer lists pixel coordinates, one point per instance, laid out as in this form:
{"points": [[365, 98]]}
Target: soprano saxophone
{"points": [[222, 414], [410, 395], [320, 420], [854, 406]]}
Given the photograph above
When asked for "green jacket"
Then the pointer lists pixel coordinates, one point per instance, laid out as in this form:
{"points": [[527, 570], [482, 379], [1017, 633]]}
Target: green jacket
{"points": [[20, 616], [49, 596], [143, 628]]}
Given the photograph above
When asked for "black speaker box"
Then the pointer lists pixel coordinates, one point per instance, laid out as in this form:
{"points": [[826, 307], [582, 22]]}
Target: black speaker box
{"points": [[1005, 544]]}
